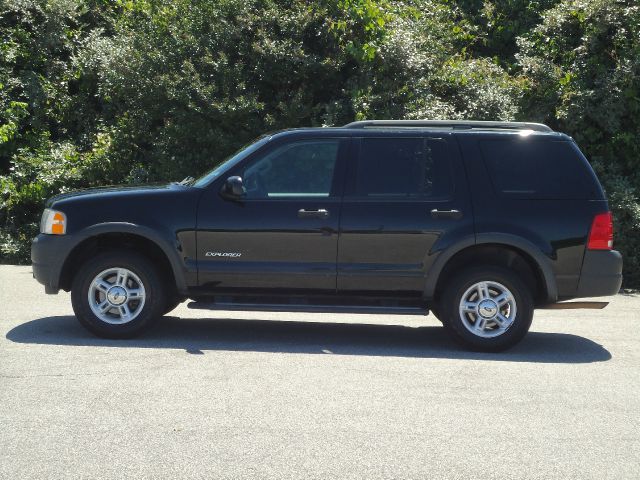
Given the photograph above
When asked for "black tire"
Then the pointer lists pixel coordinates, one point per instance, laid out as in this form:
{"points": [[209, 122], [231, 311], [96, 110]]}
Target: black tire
{"points": [[171, 303], [154, 303], [435, 310], [450, 304]]}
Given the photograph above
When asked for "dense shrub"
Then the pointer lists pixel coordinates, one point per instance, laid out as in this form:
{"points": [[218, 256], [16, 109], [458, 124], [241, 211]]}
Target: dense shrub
{"points": [[99, 91], [582, 64], [501, 22], [47, 132]]}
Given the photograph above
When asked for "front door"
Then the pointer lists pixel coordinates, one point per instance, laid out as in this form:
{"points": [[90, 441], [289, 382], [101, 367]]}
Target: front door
{"points": [[401, 208], [283, 234]]}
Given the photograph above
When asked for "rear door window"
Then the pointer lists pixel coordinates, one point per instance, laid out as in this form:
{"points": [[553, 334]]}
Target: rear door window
{"points": [[538, 168], [401, 167]]}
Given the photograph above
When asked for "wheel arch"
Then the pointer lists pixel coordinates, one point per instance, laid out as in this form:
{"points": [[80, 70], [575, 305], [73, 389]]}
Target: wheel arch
{"points": [[496, 249], [138, 238]]}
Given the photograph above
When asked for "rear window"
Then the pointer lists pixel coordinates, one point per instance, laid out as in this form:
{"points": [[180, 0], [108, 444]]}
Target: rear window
{"points": [[399, 168], [538, 168]]}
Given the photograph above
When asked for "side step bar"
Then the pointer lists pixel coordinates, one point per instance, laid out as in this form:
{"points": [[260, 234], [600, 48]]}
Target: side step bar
{"points": [[270, 307], [359, 309]]}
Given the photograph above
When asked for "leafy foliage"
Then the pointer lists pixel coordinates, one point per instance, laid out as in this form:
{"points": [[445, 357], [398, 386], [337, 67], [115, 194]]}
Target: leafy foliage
{"points": [[501, 22], [113, 91], [582, 64]]}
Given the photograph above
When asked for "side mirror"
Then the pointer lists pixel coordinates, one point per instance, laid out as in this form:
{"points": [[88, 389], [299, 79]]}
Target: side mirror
{"points": [[233, 187]]}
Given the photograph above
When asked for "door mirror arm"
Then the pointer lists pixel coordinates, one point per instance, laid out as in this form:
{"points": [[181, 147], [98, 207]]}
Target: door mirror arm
{"points": [[233, 188]]}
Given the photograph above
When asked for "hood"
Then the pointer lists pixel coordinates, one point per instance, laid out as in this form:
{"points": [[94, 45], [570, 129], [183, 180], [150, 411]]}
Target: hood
{"points": [[115, 191]]}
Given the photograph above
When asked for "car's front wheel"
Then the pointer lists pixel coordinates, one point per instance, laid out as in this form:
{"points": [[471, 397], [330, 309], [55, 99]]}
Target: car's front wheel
{"points": [[171, 303], [487, 308], [117, 294]]}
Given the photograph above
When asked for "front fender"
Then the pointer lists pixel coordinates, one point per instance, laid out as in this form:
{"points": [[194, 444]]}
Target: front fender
{"points": [[166, 241]]}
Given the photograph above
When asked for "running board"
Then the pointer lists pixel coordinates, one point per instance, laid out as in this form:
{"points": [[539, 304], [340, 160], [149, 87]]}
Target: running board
{"points": [[574, 305], [261, 307]]}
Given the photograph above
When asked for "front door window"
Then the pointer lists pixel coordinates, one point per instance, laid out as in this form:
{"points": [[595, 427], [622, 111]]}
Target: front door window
{"points": [[302, 169]]}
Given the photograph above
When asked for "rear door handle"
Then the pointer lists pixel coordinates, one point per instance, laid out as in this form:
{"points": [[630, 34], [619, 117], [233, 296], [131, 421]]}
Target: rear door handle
{"points": [[453, 214], [320, 213]]}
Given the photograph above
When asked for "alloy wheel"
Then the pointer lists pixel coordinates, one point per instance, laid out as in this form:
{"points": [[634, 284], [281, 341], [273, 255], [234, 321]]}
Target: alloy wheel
{"points": [[116, 295], [487, 309]]}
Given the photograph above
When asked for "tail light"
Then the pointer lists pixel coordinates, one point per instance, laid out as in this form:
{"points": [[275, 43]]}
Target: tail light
{"points": [[601, 234]]}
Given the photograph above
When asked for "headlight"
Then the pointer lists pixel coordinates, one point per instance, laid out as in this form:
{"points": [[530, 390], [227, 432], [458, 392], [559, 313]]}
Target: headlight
{"points": [[53, 222]]}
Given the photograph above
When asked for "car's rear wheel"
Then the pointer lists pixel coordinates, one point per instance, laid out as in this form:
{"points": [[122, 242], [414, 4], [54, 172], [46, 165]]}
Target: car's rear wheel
{"points": [[117, 294], [487, 308]]}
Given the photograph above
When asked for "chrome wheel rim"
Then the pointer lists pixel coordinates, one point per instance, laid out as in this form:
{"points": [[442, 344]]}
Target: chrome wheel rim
{"points": [[116, 296], [488, 309]]}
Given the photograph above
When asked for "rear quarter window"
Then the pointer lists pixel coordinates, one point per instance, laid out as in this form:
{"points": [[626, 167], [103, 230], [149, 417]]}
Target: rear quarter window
{"points": [[539, 168]]}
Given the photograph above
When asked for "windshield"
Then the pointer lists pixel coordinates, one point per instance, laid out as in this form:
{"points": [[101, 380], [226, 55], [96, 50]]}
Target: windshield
{"points": [[229, 162]]}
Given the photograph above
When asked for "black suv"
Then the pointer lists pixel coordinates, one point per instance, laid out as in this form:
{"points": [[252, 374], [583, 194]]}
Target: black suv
{"points": [[479, 222]]}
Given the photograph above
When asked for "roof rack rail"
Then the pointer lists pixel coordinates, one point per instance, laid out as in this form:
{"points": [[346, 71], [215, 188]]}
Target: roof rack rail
{"points": [[456, 124]]}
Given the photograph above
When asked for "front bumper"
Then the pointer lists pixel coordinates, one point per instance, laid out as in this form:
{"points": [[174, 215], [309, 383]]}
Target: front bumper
{"points": [[48, 254], [601, 273]]}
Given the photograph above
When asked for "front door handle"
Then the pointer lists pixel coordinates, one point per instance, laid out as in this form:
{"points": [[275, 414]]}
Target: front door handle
{"points": [[454, 214], [320, 213]]}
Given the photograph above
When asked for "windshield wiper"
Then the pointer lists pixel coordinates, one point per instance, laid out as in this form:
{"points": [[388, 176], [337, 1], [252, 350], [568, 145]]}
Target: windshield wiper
{"points": [[186, 181]]}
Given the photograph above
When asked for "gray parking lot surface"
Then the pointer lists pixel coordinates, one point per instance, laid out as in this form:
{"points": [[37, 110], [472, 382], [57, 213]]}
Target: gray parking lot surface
{"points": [[290, 395]]}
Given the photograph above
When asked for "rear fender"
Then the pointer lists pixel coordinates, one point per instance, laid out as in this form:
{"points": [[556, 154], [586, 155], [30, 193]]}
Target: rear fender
{"points": [[542, 262]]}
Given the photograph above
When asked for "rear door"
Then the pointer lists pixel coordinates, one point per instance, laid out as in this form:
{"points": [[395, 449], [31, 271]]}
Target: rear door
{"points": [[405, 201]]}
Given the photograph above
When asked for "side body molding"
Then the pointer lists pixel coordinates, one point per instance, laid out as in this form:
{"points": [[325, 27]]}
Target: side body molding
{"points": [[542, 261]]}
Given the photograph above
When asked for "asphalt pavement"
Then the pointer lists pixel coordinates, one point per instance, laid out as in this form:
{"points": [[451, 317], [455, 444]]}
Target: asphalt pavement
{"points": [[304, 396]]}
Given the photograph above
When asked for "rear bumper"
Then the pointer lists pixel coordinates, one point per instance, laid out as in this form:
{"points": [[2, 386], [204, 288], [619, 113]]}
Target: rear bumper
{"points": [[601, 273], [48, 253]]}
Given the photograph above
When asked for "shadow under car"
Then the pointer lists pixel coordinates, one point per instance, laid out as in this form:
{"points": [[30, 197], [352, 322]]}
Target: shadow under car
{"points": [[198, 335]]}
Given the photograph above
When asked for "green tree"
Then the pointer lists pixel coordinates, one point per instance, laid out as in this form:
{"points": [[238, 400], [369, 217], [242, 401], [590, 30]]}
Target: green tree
{"points": [[583, 69], [96, 92]]}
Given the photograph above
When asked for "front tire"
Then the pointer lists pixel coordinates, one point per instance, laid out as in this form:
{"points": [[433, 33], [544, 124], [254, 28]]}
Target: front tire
{"points": [[117, 295], [487, 308], [172, 303], [434, 309]]}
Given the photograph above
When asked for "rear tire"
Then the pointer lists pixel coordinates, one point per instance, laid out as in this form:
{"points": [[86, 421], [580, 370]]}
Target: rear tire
{"points": [[118, 294], [487, 308]]}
